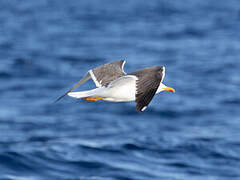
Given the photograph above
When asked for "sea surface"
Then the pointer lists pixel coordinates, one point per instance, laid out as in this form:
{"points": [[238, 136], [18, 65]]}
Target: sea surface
{"points": [[48, 45]]}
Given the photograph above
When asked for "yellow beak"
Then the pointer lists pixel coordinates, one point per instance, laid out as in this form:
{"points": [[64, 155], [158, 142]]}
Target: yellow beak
{"points": [[169, 89]]}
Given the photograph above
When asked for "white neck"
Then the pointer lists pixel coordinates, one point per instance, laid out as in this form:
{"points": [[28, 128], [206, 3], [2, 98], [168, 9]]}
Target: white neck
{"points": [[160, 88]]}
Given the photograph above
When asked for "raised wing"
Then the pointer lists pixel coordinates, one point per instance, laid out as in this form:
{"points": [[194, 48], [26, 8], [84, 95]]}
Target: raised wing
{"points": [[101, 75], [147, 84], [106, 73]]}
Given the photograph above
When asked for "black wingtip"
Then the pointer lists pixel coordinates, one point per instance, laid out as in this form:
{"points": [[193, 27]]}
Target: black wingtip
{"points": [[139, 110], [58, 99]]}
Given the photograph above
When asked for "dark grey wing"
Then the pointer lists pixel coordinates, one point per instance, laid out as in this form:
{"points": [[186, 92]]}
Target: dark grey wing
{"points": [[106, 73], [148, 82], [84, 79]]}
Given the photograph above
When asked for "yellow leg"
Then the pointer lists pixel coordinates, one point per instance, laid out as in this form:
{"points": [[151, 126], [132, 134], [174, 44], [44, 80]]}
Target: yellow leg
{"points": [[92, 98]]}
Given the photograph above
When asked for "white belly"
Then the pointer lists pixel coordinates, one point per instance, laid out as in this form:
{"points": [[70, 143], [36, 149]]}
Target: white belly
{"points": [[121, 91]]}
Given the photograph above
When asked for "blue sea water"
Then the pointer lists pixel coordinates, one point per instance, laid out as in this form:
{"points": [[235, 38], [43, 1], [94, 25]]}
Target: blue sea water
{"points": [[46, 46]]}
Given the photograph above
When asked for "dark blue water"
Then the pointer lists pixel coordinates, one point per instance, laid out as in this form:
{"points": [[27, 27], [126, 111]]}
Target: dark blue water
{"points": [[46, 46]]}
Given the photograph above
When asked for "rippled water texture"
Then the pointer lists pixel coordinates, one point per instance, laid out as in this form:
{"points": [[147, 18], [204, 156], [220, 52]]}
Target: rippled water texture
{"points": [[46, 46]]}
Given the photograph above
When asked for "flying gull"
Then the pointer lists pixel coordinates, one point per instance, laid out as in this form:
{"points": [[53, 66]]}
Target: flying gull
{"points": [[114, 85]]}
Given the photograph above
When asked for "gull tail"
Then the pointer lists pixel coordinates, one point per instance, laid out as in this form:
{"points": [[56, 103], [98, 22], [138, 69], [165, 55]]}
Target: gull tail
{"points": [[81, 94], [84, 94]]}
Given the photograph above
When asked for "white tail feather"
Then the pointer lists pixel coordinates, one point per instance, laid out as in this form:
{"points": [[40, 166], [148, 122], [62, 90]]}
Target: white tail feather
{"points": [[83, 94], [78, 94]]}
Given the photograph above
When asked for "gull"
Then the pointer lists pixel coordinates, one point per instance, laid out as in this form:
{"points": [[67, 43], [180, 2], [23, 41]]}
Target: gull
{"points": [[114, 85]]}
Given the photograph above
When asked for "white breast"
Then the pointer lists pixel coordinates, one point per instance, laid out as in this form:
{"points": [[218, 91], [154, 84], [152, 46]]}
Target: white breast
{"points": [[121, 90]]}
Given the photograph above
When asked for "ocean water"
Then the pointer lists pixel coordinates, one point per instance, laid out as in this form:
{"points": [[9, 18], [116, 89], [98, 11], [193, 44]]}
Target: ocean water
{"points": [[46, 46]]}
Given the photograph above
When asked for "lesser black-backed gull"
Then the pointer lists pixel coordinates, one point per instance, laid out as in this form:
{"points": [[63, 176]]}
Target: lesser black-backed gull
{"points": [[114, 85]]}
